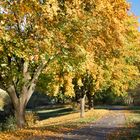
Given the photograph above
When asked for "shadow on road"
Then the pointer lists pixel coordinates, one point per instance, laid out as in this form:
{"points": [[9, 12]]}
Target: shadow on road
{"points": [[96, 133]]}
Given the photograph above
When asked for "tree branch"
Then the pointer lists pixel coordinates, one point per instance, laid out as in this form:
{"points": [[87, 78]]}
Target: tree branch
{"points": [[12, 93], [33, 82], [25, 69], [15, 87], [38, 71]]}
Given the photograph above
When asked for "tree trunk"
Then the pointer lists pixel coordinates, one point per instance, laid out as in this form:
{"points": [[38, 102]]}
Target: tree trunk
{"points": [[27, 90], [89, 100], [82, 107], [93, 101], [20, 116]]}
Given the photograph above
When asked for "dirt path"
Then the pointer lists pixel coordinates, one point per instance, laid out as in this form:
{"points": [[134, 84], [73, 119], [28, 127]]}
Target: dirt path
{"points": [[100, 129]]}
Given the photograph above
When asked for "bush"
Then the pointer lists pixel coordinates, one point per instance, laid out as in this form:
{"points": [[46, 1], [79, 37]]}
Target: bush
{"points": [[1, 126], [10, 123], [31, 118], [75, 106]]}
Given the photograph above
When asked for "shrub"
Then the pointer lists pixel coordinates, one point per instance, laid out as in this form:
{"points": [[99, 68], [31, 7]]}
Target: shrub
{"points": [[75, 106], [10, 123], [1, 126], [31, 118]]}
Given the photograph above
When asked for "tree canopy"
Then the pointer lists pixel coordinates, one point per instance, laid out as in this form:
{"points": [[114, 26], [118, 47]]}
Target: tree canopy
{"points": [[61, 37]]}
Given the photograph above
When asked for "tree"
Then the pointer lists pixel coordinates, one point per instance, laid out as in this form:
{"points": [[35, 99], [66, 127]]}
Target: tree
{"points": [[84, 87], [38, 36], [32, 38], [114, 64]]}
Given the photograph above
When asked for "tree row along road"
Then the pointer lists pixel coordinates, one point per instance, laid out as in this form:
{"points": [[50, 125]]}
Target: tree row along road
{"points": [[46, 44]]}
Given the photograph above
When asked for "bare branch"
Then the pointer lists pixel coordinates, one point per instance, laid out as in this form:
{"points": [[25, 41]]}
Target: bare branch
{"points": [[30, 92], [25, 69], [18, 23], [38, 71], [12, 93], [15, 87], [33, 82]]}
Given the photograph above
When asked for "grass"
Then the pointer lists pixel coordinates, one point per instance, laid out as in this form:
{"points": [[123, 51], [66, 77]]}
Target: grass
{"points": [[48, 113], [55, 125], [133, 123], [117, 107], [134, 107], [71, 121], [132, 129]]}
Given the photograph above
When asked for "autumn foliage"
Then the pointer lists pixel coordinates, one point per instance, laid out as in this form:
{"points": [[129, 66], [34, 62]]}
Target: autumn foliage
{"points": [[59, 37]]}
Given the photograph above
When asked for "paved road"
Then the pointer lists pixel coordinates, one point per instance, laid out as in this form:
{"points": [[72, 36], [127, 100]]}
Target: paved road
{"points": [[100, 129]]}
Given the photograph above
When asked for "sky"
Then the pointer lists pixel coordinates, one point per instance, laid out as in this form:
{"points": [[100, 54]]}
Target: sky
{"points": [[135, 7]]}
